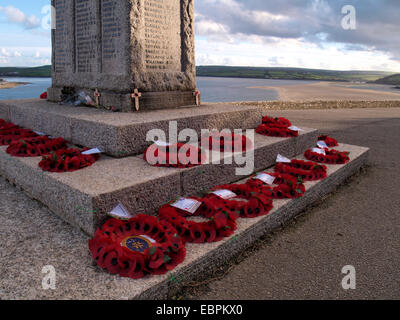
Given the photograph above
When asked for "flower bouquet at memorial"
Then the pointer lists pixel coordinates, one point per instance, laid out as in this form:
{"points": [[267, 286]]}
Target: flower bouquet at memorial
{"points": [[327, 156], [246, 202], [67, 160], [330, 142], [286, 185], [230, 142], [180, 155], [34, 147], [219, 223], [138, 247], [306, 170]]}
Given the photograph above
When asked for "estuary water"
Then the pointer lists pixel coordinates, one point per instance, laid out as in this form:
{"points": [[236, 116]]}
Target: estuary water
{"points": [[212, 89]]}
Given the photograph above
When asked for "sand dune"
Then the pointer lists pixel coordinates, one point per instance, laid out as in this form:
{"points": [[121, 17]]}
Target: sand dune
{"points": [[325, 91]]}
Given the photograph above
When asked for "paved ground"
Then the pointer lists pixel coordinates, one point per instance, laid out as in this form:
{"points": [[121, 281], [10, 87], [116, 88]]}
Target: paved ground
{"points": [[359, 225]]}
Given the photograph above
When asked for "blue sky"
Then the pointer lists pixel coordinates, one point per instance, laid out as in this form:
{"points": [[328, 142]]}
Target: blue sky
{"points": [[284, 33]]}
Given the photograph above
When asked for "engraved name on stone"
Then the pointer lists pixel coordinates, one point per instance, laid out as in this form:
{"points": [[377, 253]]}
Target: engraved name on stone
{"points": [[162, 35]]}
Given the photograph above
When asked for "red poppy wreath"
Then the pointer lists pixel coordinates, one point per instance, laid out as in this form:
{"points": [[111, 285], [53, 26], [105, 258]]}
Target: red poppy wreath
{"points": [[34, 147], [330, 142], [8, 136], [273, 131], [287, 186], [231, 142], [220, 224], [247, 203], [67, 160], [179, 155], [307, 171], [138, 247], [330, 156], [276, 122]]}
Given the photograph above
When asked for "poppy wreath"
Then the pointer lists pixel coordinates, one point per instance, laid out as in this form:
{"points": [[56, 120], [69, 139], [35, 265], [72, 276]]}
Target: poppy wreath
{"points": [[330, 157], [34, 147], [10, 135], [138, 247], [248, 204], [288, 186], [230, 141], [280, 132], [306, 170], [169, 156], [67, 160], [43, 95], [276, 122], [330, 142], [221, 224]]}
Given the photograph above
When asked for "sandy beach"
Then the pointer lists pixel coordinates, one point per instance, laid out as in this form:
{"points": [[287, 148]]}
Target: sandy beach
{"points": [[327, 91], [9, 85]]}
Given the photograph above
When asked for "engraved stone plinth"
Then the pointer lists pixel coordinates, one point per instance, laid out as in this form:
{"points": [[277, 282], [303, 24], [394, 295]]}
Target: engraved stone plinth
{"points": [[113, 47]]}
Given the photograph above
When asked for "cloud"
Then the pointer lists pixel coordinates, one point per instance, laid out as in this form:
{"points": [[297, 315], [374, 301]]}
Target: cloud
{"points": [[312, 21], [15, 15]]}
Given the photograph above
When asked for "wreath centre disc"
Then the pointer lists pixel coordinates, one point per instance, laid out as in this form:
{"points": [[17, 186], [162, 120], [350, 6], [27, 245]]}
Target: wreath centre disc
{"points": [[138, 243]]}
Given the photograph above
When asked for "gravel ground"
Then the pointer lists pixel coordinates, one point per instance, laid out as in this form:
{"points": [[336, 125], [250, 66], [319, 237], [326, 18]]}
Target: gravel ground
{"points": [[359, 225]]}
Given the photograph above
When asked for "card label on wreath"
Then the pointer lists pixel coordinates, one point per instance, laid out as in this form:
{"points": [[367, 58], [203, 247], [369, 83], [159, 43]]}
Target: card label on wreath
{"points": [[92, 151], [282, 159], [293, 128], [322, 144], [266, 178], [120, 212], [319, 151], [188, 205], [225, 194]]}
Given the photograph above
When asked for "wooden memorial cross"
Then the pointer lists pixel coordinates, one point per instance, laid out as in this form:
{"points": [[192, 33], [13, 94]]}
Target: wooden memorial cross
{"points": [[197, 95], [97, 96], [136, 95]]}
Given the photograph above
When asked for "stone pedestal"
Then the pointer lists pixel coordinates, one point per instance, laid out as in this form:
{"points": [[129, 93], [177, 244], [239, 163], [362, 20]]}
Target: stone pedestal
{"points": [[112, 48]]}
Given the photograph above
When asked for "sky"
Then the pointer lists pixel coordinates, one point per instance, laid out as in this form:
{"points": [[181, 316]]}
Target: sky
{"points": [[267, 33]]}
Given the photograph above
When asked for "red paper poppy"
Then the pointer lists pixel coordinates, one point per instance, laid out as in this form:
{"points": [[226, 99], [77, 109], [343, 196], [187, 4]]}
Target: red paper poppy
{"points": [[43, 95], [180, 155]]}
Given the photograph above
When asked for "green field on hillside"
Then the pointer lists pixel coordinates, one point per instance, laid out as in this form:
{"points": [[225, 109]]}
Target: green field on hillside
{"points": [[290, 73], [392, 80], [44, 71]]}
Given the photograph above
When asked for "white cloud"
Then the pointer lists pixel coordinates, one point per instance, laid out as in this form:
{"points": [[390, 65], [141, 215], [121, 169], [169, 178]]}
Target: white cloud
{"points": [[15, 15]]}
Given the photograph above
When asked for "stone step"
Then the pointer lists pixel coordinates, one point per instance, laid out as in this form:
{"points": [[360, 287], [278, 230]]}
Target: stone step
{"points": [[83, 198], [123, 134], [202, 258]]}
